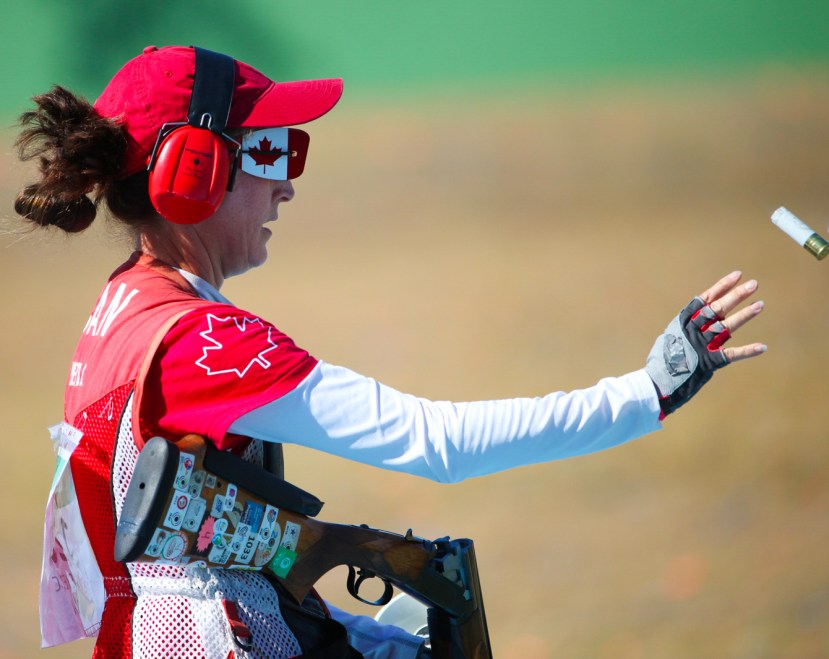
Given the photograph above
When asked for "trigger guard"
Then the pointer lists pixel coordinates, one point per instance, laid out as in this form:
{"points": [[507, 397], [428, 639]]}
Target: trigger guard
{"points": [[355, 580]]}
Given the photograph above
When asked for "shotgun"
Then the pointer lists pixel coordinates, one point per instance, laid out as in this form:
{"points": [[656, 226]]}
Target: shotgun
{"points": [[190, 504]]}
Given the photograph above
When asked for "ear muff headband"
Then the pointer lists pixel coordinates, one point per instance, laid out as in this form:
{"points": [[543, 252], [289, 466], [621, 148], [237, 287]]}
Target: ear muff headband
{"points": [[212, 90], [191, 167]]}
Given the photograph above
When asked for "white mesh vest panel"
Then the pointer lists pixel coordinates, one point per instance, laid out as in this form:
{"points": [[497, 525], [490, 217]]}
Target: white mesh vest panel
{"points": [[179, 612]]}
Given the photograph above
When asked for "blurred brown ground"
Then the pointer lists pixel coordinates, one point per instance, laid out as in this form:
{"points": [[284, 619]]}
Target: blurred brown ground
{"points": [[462, 249]]}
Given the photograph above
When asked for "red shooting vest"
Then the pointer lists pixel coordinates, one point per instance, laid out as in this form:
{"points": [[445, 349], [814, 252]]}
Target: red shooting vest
{"points": [[217, 355]]}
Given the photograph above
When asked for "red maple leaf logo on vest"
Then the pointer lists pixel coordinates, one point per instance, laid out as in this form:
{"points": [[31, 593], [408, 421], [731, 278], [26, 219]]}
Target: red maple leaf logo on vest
{"points": [[265, 154], [235, 344]]}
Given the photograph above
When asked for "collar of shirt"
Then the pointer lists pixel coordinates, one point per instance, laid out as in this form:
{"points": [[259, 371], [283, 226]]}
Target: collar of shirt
{"points": [[204, 289]]}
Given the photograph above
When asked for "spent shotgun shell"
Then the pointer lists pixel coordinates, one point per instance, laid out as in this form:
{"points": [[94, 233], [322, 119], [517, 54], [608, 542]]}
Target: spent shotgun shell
{"points": [[801, 233]]}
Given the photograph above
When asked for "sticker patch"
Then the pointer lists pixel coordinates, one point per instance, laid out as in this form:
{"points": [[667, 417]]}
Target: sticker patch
{"points": [[196, 483], [235, 515], [194, 515], [252, 515], [186, 461], [269, 524], [154, 548], [173, 548], [245, 554], [239, 538], [221, 551], [265, 552], [230, 498], [290, 537], [218, 506], [204, 541], [175, 513], [282, 562]]}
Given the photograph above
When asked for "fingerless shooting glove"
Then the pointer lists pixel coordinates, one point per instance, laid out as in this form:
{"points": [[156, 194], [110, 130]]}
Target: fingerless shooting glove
{"points": [[685, 357]]}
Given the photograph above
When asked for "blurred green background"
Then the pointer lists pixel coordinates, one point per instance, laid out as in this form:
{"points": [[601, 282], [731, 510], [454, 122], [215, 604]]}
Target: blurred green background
{"points": [[427, 46], [510, 199]]}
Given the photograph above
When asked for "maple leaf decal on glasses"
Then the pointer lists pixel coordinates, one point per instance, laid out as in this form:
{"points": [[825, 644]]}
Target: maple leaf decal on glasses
{"points": [[234, 344], [265, 154]]}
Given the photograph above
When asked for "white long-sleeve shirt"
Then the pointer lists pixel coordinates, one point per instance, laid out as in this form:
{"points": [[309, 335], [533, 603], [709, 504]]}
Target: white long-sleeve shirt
{"points": [[341, 412]]}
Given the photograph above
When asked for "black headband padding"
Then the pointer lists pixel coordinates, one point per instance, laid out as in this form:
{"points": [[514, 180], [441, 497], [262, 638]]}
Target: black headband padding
{"points": [[212, 89]]}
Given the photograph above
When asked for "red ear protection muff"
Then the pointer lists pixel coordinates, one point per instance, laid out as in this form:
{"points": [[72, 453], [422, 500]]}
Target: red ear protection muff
{"points": [[191, 166]]}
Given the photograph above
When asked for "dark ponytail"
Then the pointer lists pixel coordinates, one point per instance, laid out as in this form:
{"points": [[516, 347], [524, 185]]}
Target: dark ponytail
{"points": [[80, 155]]}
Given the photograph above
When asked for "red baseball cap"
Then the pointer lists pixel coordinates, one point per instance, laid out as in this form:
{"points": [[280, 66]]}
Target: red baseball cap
{"points": [[155, 88]]}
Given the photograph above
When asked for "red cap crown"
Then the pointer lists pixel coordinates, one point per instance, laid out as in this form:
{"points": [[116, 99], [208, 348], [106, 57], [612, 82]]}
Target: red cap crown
{"points": [[155, 88]]}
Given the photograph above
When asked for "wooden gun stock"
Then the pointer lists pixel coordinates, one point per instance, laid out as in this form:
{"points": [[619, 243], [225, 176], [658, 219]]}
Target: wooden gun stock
{"points": [[190, 504]]}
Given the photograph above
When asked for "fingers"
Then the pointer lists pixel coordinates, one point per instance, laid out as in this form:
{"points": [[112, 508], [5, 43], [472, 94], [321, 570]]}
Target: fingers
{"points": [[744, 352], [725, 296], [721, 287], [736, 320]]}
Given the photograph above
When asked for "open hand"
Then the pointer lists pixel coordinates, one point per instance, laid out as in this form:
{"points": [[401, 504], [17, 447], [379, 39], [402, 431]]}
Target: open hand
{"points": [[686, 355]]}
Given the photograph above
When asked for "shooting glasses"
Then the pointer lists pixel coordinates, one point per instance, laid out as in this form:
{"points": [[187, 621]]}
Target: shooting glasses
{"points": [[277, 154]]}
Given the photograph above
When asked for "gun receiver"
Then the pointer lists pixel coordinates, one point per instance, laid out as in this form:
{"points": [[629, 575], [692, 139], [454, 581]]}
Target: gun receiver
{"points": [[191, 504]]}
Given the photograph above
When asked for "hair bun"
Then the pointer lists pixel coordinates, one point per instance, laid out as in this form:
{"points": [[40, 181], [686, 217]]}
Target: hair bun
{"points": [[45, 209], [79, 154]]}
